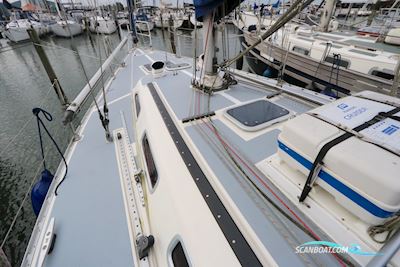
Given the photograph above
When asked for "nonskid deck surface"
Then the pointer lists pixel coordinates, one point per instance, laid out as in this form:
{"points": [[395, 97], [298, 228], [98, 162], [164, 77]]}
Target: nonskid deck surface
{"points": [[89, 211]]}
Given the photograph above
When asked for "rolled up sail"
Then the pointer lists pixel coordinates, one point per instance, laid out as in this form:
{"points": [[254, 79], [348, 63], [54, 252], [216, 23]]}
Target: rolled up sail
{"points": [[220, 7]]}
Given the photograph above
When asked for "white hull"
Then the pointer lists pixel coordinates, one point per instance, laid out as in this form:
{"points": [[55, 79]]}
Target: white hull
{"points": [[195, 22], [104, 26], [144, 26], [165, 23], [360, 60], [393, 37], [123, 22], [63, 30], [16, 34], [16, 31], [41, 29]]}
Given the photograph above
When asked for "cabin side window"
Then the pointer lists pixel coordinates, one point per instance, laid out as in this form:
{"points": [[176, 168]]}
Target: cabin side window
{"points": [[137, 105], [382, 74], [301, 50], [178, 256], [340, 62], [151, 166]]}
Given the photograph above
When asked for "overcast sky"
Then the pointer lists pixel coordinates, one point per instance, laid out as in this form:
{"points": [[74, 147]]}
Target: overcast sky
{"points": [[145, 2]]}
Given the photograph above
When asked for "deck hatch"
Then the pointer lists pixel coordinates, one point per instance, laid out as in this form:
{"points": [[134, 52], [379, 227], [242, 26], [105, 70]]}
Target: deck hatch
{"points": [[256, 115], [234, 237]]}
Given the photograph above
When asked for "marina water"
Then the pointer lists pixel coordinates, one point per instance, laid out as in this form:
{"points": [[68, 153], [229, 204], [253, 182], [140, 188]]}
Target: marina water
{"points": [[25, 85]]}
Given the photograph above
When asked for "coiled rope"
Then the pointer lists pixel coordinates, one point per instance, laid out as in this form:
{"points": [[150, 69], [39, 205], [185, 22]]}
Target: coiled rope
{"points": [[48, 117], [391, 226]]}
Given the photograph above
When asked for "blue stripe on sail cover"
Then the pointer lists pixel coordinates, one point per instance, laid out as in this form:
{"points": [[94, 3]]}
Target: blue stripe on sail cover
{"points": [[339, 186]]}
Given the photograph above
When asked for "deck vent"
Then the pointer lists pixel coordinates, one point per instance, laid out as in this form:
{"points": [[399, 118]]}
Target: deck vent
{"points": [[157, 68], [257, 115]]}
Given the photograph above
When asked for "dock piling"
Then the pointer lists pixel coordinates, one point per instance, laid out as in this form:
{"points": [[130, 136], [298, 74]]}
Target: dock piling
{"points": [[172, 34], [47, 66]]}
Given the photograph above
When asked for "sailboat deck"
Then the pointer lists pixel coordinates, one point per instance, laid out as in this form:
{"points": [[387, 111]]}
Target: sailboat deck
{"points": [[90, 217], [89, 212], [276, 233]]}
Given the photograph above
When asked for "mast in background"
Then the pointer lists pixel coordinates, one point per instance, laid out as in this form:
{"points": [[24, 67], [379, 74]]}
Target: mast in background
{"points": [[210, 79], [131, 8], [327, 15], [209, 12]]}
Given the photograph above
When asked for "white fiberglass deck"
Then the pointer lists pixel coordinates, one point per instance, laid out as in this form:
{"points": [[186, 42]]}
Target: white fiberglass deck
{"points": [[90, 217]]}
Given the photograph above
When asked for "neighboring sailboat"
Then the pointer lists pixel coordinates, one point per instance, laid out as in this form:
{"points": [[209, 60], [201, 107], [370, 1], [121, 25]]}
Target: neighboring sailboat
{"points": [[189, 18], [343, 62], [104, 25], [161, 20], [15, 30], [67, 28], [194, 22], [20, 21], [393, 36], [122, 20], [143, 22]]}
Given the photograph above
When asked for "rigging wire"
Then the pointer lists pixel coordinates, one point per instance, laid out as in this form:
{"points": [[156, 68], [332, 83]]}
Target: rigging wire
{"points": [[193, 97], [105, 121], [206, 45], [292, 11], [10, 48], [302, 225], [27, 122], [101, 117], [34, 176], [22, 204], [51, 45], [13, 222]]}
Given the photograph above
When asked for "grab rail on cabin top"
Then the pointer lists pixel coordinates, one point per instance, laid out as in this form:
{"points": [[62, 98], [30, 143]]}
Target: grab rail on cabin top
{"points": [[80, 99]]}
